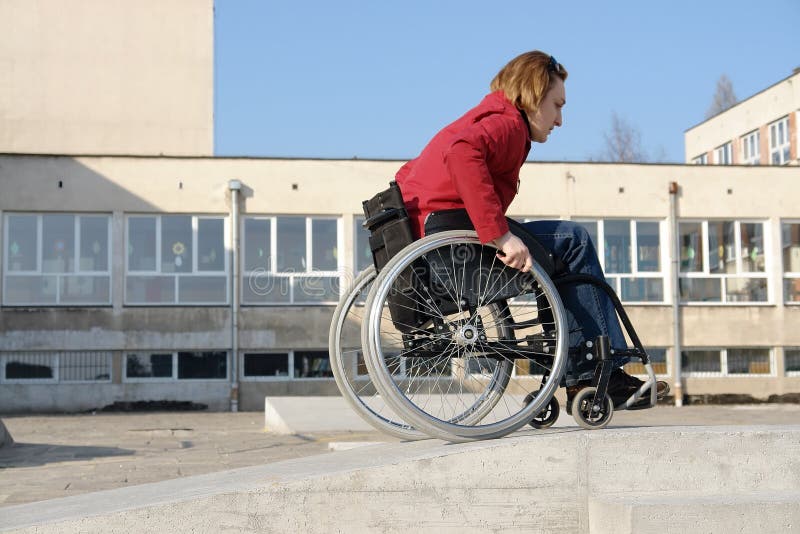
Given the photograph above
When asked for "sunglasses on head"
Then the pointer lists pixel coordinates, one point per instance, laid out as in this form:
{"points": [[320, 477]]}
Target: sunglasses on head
{"points": [[554, 66]]}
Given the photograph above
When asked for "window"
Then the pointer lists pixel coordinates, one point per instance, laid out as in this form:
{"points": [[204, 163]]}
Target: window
{"points": [[791, 358], [658, 359], [779, 141], [176, 259], [67, 366], [722, 261], [166, 366], [287, 365], [751, 151], [702, 159], [723, 154], [57, 259], [726, 362], [790, 247], [266, 365], [363, 252], [630, 254], [291, 260]]}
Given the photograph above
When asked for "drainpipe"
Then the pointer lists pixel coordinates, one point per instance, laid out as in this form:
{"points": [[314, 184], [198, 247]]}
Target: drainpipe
{"points": [[235, 186], [676, 315]]}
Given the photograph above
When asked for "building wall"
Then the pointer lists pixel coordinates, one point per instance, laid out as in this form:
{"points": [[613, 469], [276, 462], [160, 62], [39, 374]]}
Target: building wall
{"points": [[106, 77], [754, 113], [125, 186]]}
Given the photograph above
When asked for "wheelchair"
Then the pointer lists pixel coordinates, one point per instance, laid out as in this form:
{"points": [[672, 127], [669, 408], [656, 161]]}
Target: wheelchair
{"points": [[453, 344]]}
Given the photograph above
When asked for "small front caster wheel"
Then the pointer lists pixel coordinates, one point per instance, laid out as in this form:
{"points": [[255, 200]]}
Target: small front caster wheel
{"points": [[548, 416], [589, 416]]}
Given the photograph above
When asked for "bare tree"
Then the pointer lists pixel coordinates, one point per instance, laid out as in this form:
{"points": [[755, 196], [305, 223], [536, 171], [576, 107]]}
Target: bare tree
{"points": [[724, 97], [623, 142]]}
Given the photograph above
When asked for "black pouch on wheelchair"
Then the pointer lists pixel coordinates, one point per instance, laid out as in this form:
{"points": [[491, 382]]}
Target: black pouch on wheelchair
{"points": [[390, 231]]}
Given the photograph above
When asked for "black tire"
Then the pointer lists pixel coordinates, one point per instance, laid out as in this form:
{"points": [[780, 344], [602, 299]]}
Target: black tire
{"points": [[582, 410], [547, 417]]}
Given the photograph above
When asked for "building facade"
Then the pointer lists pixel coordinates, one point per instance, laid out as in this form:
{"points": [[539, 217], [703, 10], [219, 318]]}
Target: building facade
{"points": [[118, 282], [760, 130]]}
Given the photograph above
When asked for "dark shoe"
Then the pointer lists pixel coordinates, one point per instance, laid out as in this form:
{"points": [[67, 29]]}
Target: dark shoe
{"points": [[621, 386]]}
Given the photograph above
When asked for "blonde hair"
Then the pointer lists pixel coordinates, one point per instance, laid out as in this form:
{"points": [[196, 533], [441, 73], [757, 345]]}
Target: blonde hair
{"points": [[527, 78]]}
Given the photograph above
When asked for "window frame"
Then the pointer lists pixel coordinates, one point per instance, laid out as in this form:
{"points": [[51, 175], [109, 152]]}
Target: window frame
{"points": [[292, 276], [723, 372], [786, 274], [60, 277], [751, 148], [175, 362], [706, 273], [786, 372], [290, 353], [195, 272], [615, 279], [702, 159], [782, 150], [723, 154], [55, 364]]}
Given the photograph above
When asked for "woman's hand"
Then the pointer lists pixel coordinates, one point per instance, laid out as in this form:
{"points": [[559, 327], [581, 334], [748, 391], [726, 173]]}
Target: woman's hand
{"points": [[513, 252]]}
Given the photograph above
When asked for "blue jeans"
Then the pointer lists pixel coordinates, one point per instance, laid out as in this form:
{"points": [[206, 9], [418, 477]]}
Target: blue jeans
{"points": [[589, 310]]}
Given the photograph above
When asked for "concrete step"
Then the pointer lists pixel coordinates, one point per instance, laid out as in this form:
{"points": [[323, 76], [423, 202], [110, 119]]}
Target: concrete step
{"points": [[5, 435], [762, 512], [534, 481]]}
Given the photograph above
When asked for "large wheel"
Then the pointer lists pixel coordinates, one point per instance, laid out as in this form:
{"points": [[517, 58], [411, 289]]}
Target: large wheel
{"points": [[349, 369], [440, 312]]}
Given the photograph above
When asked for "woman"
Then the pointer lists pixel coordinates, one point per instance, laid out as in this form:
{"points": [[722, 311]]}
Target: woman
{"points": [[474, 163]]}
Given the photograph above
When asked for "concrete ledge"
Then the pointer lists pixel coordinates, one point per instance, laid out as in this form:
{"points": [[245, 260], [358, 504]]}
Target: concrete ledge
{"points": [[298, 415], [533, 481], [761, 512], [5, 435]]}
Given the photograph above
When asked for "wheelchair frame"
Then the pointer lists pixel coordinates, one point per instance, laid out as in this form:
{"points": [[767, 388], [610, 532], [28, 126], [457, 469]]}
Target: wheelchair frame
{"points": [[460, 339]]}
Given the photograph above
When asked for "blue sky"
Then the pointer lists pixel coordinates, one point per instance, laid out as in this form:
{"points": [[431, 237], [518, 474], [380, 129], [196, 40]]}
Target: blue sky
{"points": [[376, 79]]}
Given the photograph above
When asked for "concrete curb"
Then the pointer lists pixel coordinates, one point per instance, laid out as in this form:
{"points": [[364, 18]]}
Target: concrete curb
{"points": [[558, 480], [5, 435]]}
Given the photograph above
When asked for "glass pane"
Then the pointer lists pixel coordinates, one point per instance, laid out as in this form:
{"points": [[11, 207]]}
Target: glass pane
{"points": [[266, 364], [790, 243], [752, 247], [312, 364], [648, 255], [324, 247], [643, 289], [701, 361], [176, 244], [202, 289], [746, 289], [262, 288], [30, 289], [210, 245], [58, 243], [94, 244], [148, 365], [748, 361], [363, 252], [721, 247], [84, 366], [658, 359], [257, 242], [22, 243], [791, 290], [208, 365], [791, 358], [142, 244], [291, 245], [701, 289], [150, 289], [691, 236], [617, 236], [316, 288], [86, 289], [30, 367]]}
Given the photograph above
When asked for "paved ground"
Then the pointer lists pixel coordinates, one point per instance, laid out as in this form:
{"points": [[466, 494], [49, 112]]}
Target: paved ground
{"points": [[62, 455]]}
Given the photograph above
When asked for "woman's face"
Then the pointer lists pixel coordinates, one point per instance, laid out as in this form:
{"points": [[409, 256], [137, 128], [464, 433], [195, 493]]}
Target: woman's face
{"points": [[548, 116]]}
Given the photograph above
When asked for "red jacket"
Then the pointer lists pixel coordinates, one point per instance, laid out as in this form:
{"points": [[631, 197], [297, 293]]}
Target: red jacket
{"points": [[473, 163]]}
